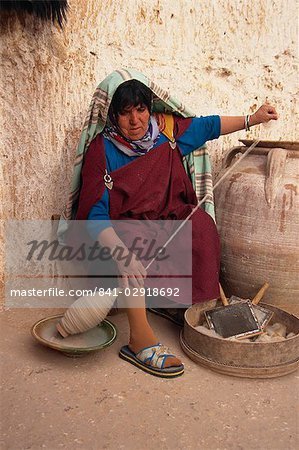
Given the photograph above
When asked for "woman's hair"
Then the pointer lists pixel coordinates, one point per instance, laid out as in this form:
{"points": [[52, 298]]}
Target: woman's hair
{"points": [[130, 93]]}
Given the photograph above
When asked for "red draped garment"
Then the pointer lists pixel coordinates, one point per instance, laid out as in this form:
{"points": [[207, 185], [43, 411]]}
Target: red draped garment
{"points": [[156, 187]]}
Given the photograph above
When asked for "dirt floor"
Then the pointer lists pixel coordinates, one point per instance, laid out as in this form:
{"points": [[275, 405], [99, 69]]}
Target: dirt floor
{"points": [[102, 402]]}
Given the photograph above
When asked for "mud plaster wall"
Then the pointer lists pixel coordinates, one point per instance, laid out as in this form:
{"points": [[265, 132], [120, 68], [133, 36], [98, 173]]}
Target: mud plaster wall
{"points": [[218, 56]]}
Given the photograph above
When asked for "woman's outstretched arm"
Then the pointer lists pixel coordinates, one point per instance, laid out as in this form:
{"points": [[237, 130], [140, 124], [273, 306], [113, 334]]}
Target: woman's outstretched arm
{"points": [[264, 114]]}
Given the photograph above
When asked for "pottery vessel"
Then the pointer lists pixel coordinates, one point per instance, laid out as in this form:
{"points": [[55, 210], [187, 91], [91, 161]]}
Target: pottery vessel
{"points": [[258, 221]]}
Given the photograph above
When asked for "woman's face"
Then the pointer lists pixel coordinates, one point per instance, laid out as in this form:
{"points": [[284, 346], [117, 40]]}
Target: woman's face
{"points": [[133, 122]]}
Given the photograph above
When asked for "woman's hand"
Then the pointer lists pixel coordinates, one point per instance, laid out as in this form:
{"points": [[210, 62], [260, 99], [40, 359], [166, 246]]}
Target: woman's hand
{"points": [[129, 267], [131, 270], [263, 115], [230, 124]]}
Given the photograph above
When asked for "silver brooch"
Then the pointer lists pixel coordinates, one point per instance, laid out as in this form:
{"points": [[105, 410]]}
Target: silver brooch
{"points": [[172, 144], [108, 180]]}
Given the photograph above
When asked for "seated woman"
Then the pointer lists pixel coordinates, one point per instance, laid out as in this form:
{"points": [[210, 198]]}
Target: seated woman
{"points": [[132, 169]]}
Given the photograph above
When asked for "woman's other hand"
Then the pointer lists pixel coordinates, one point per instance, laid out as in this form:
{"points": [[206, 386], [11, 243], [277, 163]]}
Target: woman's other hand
{"points": [[131, 270], [263, 115]]}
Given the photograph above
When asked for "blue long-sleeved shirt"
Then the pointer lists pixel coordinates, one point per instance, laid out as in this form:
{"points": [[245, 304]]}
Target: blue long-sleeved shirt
{"points": [[201, 129]]}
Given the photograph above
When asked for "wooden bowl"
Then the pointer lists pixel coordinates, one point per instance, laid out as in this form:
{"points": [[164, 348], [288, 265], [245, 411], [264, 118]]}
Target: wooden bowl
{"points": [[237, 358]]}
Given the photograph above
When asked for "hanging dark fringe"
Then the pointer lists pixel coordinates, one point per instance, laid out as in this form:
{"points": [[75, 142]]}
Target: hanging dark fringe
{"points": [[54, 10]]}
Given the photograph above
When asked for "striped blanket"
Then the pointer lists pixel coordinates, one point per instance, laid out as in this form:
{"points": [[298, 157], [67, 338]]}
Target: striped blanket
{"points": [[197, 164]]}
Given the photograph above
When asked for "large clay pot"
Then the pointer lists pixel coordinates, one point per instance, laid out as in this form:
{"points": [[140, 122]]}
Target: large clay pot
{"points": [[257, 216]]}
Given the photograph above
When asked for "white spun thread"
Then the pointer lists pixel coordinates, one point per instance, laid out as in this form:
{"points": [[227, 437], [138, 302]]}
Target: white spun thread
{"points": [[255, 143], [87, 312]]}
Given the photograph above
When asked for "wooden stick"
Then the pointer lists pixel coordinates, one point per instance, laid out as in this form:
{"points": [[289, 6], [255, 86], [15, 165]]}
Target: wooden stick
{"points": [[260, 294], [223, 296]]}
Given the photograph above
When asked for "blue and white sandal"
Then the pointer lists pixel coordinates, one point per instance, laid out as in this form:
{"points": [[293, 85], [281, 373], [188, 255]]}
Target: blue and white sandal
{"points": [[152, 360]]}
